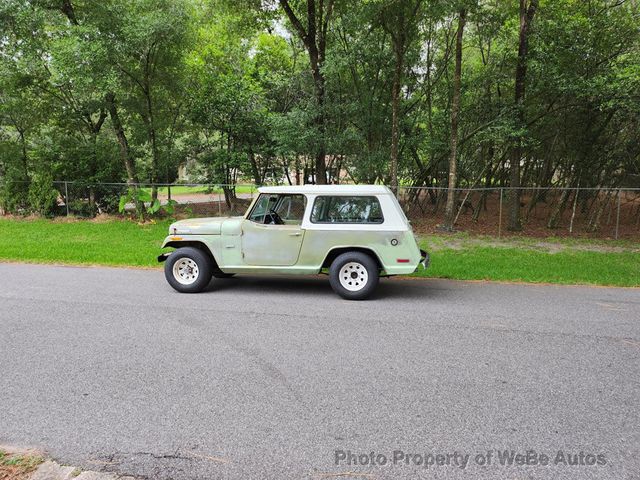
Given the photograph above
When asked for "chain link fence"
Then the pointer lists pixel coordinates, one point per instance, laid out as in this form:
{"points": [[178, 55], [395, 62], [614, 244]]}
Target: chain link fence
{"points": [[548, 211], [194, 199]]}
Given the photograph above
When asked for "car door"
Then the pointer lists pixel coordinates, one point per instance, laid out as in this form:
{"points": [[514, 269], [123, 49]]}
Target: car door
{"points": [[270, 244]]}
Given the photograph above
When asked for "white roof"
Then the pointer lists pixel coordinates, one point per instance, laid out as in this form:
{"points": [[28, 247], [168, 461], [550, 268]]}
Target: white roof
{"points": [[329, 189]]}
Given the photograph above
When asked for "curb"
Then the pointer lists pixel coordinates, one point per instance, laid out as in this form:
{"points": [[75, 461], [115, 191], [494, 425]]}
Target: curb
{"points": [[50, 470]]}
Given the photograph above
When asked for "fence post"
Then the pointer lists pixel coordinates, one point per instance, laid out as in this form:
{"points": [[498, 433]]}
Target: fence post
{"points": [[66, 197], [618, 214], [500, 216], [219, 204]]}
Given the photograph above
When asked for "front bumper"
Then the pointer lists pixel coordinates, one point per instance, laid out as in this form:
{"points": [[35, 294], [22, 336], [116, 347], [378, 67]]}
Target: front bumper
{"points": [[425, 259]]}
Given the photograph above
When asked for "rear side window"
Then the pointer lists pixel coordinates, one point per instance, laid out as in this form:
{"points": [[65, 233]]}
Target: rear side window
{"points": [[346, 209]]}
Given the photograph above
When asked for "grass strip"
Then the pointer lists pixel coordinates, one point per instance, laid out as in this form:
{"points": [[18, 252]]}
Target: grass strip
{"points": [[126, 243]]}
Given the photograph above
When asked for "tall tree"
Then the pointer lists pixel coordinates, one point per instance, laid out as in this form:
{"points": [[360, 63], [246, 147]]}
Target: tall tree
{"points": [[148, 40], [455, 110], [399, 18], [314, 36], [527, 12]]}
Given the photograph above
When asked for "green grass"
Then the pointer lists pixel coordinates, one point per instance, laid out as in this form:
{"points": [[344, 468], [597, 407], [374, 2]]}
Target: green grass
{"points": [[531, 265], [190, 190], [123, 242], [116, 242]]}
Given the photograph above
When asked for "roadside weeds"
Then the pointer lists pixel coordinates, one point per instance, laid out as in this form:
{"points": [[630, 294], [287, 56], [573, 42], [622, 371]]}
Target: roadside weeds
{"points": [[16, 464], [29, 464]]}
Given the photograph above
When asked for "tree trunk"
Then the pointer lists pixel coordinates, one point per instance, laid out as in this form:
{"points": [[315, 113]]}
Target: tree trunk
{"points": [[93, 167], [395, 116], [25, 156], [594, 223], [285, 166], [455, 108], [151, 132], [526, 19], [558, 210], [122, 138], [257, 178], [320, 161], [125, 154], [314, 37]]}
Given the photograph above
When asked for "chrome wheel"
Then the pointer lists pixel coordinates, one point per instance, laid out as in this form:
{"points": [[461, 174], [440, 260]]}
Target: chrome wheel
{"points": [[353, 276], [185, 271]]}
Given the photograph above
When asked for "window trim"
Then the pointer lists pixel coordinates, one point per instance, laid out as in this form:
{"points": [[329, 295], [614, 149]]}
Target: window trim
{"points": [[375, 197]]}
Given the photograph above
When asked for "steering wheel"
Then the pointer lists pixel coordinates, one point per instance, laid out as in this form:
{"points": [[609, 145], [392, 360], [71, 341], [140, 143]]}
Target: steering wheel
{"points": [[272, 218]]}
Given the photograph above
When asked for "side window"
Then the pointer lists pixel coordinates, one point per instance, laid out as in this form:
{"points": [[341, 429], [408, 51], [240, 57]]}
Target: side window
{"points": [[346, 209], [290, 208]]}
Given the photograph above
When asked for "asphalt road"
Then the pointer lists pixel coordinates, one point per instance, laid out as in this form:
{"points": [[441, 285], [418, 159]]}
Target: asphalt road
{"points": [[266, 378]]}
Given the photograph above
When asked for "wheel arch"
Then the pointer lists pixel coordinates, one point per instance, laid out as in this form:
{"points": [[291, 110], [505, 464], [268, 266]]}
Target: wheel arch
{"points": [[337, 251], [194, 244]]}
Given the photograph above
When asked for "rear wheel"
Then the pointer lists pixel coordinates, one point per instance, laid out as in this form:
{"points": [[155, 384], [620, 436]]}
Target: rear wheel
{"points": [[354, 275], [188, 270]]}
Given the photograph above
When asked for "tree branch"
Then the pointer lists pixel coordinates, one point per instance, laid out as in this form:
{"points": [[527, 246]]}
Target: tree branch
{"points": [[294, 21]]}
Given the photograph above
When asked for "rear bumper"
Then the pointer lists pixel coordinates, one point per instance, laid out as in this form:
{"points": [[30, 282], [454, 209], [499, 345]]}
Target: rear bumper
{"points": [[425, 259]]}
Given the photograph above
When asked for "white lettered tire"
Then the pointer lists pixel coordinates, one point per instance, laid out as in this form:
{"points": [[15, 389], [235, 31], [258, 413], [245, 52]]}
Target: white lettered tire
{"points": [[354, 275], [188, 270]]}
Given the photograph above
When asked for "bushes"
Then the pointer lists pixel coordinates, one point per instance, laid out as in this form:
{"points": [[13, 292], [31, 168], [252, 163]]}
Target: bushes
{"points": [[23, 197], [43, 197], [14, 195]]}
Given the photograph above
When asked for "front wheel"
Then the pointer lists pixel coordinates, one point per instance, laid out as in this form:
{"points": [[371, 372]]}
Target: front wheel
{"points": [[354, 275], [188, 270]]}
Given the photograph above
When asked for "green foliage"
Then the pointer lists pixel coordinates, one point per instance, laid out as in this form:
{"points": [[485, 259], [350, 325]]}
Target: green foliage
{"points": [[135, 196], [14, 194], [43, 197], [170, 207], [142, 196], [222, 91]]}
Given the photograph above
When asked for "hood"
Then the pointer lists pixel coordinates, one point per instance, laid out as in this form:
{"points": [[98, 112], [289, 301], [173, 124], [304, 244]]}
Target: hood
{"points": [[199, 226]]}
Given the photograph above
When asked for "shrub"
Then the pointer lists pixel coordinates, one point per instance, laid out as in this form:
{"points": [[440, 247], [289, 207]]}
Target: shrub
{"points": [[14, 195], [43, 197]]}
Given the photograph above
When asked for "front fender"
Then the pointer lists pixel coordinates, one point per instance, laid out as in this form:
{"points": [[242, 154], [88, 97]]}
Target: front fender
{"points": [[208, 243]]}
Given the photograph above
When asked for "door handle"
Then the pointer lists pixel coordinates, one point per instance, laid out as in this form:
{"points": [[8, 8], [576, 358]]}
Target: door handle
{"points": [[296, 234]]}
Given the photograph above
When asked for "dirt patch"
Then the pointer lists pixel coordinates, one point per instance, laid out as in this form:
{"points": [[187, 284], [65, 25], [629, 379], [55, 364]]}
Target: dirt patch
{"points": [[482, 215], [442, 242], [18, 464]]}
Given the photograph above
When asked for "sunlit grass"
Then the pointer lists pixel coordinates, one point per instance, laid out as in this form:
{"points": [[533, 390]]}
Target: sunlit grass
{"points": [[200, 189], [126, 243]]}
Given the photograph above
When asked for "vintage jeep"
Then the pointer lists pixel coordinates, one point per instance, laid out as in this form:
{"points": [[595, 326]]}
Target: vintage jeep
{"points": [[356, 233]]}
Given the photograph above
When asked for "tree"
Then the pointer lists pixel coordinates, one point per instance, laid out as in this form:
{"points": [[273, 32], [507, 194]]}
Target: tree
{"points": [[146, 41], [455, 110], [314, 37], [117, 91], [399, 19], [527, 12]]}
